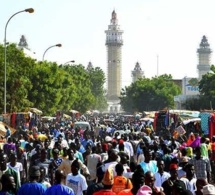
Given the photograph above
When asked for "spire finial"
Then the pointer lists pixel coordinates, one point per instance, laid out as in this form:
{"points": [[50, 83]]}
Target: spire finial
{"points": [[114, 17], [23, 42], [204, 42], [90, 66]]}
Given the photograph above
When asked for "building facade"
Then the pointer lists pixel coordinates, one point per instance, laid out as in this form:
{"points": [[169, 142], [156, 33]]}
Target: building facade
{"points": [[114, 44], [204, 55], [137, 73], [190, 89]]}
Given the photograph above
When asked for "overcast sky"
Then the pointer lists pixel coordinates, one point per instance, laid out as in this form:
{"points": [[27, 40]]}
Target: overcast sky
{"points": [[171, 29]]}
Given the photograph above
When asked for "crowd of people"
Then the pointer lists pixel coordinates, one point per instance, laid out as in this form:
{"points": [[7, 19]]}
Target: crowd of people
{"points": [[59, 159]]}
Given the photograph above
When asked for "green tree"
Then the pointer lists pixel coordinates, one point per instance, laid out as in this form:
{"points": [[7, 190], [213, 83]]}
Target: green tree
{"points": [[18, 82], [199, 102], [150, 94], [207, 84], [97, 79], [82, 95], [47, 87]]}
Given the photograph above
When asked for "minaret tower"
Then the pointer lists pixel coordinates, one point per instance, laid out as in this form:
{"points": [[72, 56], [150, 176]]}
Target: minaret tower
{"points": [[204, 54], [89, 66], [114, 44], [23, 43], [137, 73]]}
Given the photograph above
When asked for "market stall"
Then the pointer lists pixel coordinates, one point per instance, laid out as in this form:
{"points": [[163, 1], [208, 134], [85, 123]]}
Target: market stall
{"points": [[3, 130], [26, 120]]}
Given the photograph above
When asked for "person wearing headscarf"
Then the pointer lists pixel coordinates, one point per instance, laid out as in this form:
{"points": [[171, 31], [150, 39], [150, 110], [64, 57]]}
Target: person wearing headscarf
{"points": [[191, 139], [196, 143], [107, 181], [144, 190], [209, 189], [138, 180], [189, 152]]}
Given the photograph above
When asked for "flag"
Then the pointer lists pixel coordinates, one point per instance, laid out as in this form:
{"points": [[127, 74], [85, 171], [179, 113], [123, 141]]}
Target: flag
{"points": [[167, 119], [180, 130]]}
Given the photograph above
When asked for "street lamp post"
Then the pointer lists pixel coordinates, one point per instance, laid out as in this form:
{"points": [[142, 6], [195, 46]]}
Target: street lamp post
{"points": [[57, 45], [29, 10], [72, 61]]}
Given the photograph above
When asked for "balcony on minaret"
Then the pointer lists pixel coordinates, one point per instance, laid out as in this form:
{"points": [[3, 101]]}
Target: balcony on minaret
{"points": [[203, 67], [114, 34], [114, 37], [114, 42]]}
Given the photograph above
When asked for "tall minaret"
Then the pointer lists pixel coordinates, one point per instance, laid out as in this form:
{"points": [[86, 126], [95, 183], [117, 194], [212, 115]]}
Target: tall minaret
{"points": [[114, 44], [137, 73], [204, 53]]}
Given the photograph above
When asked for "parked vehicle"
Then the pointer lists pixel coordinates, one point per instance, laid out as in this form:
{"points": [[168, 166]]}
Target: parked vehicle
{"points": [[82, 124], [121, 132]]}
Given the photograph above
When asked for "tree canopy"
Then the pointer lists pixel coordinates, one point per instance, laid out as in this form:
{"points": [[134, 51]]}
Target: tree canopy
{"points": [[150, 94], [48, 86], [207, 84], [97, 78]]}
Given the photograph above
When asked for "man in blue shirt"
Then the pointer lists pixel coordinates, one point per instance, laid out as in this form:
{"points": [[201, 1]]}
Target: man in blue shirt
{"points": [[86, 141], [59, 187], [33, 187]]}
